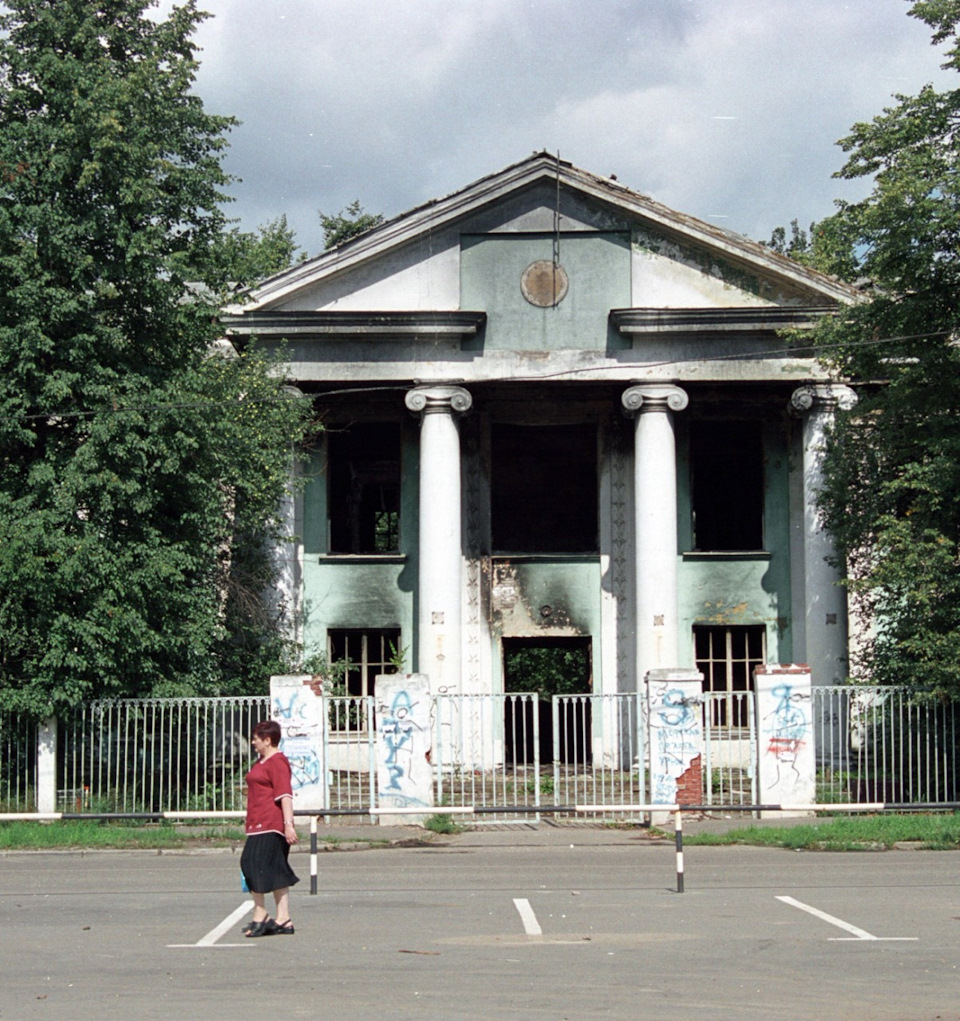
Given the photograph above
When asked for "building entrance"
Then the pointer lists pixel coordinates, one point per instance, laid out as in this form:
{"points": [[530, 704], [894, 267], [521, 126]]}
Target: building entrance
{"points": [[548, 666]]}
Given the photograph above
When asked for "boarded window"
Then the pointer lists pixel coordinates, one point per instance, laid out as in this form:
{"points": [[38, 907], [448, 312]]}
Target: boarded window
{"points": [[544, 488], [726, 465], [727, 657], [364, 488]]}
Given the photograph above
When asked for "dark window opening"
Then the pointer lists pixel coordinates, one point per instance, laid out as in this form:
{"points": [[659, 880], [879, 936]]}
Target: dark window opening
{"points": [[726, 465], [727, 657], [364, 488], [544, 488], [558, 666], [356, 657]]}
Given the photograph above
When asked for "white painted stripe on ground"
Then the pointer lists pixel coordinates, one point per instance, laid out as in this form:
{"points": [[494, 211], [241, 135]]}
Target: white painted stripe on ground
{"points": [[859, 934], [530, 924], [214, 934]]}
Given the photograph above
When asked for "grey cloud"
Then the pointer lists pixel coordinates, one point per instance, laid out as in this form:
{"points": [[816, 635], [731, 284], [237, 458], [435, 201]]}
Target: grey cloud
{"points": [[721, 108]]}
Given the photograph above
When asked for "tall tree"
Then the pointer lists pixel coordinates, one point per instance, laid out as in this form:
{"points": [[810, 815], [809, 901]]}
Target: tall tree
{"points": [[892, 493], [132, 463]]}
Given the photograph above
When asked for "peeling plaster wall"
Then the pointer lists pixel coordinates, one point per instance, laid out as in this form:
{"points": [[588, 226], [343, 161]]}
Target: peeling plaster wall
{"points": [[669, 274]]}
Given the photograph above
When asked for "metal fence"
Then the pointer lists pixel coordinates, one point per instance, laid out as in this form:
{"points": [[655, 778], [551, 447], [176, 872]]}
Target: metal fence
{"points": [[148, 755], [885, 744], [486, 751], [18, 763], [502, 752]]}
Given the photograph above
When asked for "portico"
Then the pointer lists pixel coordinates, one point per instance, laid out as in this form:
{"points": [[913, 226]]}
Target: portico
{"points": [[567, 426]]}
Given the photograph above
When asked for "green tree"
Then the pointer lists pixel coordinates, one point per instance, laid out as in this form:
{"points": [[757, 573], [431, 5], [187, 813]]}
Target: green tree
{"points": [[250, 256], [347, 224], [828, 246], [139, 475], [892, 491]]}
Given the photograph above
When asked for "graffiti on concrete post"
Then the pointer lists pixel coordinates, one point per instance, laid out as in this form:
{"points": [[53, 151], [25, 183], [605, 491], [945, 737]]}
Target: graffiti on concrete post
{"points": [[404, 740], [785, 725], [676, 732], [299, 711]]}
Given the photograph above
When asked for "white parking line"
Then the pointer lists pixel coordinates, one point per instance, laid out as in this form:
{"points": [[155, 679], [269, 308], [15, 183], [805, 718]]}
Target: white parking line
{"points": [[210, 940], [530, 924], [858, 934]]}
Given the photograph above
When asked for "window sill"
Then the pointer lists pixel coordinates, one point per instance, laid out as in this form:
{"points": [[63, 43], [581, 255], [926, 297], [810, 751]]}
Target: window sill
{"points": [[360, 558], [750, 554]]}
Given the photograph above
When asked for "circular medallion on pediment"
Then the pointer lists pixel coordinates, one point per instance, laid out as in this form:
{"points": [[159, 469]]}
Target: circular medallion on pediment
{"points": [[544, 283]]}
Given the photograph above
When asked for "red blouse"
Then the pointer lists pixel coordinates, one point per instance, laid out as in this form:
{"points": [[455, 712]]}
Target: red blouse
{"points": [[268, 783]]}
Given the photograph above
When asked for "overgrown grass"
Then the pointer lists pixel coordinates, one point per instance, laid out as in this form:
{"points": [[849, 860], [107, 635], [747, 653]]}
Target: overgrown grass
{"points": [[848, 833], [93, 833], [442, 823]]}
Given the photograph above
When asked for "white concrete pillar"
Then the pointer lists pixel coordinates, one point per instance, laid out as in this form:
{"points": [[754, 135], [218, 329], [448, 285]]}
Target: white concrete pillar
{"points": [[825, 642], [655, 506], [439, 597], [286, 595], [47, 766]]}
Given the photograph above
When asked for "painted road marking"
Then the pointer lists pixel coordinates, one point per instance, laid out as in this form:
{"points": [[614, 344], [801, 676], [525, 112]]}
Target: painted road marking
{"points": [[858, 934], [530, 924], [210, 940]]}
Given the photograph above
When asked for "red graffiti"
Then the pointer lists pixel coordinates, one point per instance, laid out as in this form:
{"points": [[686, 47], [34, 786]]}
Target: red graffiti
{"points": [[784, 746]]}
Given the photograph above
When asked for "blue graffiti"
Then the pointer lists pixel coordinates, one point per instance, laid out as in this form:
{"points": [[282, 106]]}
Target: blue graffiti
{"points": [[305, 770], [397, 729], [294, 706], [675, 710]]}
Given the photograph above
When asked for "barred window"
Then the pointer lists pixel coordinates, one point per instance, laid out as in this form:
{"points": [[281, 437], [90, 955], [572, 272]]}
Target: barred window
{"points": [[727, 657]]}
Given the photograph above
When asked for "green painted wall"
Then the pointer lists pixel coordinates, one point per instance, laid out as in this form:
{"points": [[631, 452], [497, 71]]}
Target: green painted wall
{"points": [[747, 588], [598, 267], [374, 591]]}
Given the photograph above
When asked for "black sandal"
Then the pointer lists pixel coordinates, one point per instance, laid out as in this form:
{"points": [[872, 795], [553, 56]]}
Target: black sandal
{"points": [[276, 929], [260, 928]]}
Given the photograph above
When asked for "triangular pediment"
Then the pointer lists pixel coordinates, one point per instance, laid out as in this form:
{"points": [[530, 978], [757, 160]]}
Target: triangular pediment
{"points": [[423, 259]]}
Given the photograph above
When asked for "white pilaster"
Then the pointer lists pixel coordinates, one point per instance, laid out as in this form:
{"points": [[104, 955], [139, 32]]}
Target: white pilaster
{"points": [[655, 508], [439, 585], [825, 600]]}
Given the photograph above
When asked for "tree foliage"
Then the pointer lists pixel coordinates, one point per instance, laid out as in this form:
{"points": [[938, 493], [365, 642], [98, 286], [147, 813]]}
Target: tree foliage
{"points": [[828, 246], [892, 491], [250, 256], [347, 224], [139, 476]]}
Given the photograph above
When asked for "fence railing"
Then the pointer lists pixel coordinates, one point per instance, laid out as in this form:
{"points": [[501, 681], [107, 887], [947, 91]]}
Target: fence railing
{"points": [[18, 763], [487, 751], [502, 752], [885, 744], [142, 755]]}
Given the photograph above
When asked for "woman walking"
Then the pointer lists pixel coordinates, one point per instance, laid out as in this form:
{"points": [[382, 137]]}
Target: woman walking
{"points": [[270, 832]]}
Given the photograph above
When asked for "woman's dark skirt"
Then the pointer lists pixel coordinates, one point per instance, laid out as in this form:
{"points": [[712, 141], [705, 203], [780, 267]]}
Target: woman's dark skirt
{"points": [[264, 863]]}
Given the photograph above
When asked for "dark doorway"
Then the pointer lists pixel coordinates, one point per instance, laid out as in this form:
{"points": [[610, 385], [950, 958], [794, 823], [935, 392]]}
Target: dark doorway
{"points": [[548, 666]]}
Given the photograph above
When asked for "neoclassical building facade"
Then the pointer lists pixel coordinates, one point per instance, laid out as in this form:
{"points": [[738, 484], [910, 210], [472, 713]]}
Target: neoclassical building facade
{"points": [[559, 418]]}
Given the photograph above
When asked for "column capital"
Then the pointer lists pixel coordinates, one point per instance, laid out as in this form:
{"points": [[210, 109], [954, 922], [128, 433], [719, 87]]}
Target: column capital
{"points": [[822, 397], [439, 397], [654, 397]]}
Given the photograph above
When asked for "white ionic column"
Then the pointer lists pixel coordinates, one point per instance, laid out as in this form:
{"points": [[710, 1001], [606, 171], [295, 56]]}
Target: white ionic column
{"points": [[655, 503], [824, 648], [439, 587]]}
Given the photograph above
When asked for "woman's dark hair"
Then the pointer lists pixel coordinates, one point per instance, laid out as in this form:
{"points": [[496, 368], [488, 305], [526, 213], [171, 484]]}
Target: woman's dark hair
{"points": [[268, 730]]}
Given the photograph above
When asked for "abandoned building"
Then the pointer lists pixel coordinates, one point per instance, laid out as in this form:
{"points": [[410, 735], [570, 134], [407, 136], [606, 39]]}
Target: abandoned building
{"points": [[561, 418]]}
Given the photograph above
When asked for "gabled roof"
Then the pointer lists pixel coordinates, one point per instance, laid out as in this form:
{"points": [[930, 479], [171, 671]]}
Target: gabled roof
{"points": [[539, 167]]}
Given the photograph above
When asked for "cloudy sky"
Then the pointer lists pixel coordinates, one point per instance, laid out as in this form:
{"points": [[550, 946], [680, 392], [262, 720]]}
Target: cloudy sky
{"points": [[726, 109]]}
